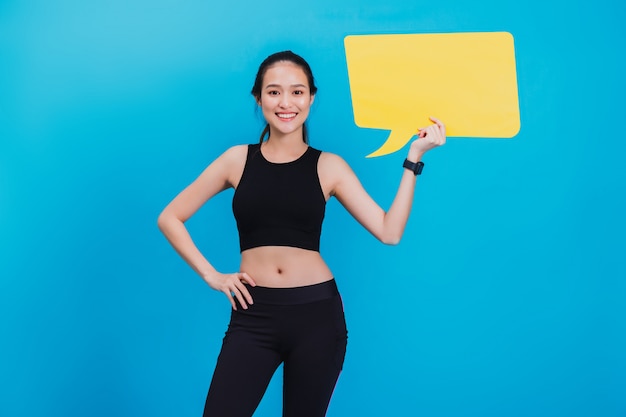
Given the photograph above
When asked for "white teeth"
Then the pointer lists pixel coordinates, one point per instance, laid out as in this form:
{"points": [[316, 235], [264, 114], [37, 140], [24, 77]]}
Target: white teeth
{"points": [[286, 115]]}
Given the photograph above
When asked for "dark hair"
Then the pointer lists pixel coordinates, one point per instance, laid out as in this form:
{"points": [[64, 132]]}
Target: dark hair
{"points": [[284, 56]]}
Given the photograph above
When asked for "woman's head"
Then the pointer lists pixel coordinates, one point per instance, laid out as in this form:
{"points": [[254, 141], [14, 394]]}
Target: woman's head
{"points": [[284, 56], [283, 67]]}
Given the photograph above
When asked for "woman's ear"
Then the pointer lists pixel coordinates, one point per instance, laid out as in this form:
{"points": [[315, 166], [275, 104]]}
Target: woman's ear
{"points": [[312, 99]]}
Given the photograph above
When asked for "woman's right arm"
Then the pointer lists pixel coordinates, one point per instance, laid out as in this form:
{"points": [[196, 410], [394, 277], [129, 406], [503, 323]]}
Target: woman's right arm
{"points": [[223, 173]]}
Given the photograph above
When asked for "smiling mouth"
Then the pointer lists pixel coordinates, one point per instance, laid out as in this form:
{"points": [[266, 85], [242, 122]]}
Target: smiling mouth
{"points": [[286, 116]]}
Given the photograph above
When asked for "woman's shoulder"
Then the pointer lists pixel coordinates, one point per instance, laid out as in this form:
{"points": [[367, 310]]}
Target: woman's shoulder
{"points": [[241, 148], [230, 164], [329, 158], [332, 163], [236, 152], [232, 158]]}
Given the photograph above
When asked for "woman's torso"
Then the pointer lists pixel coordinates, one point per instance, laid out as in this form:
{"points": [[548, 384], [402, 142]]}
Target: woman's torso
{"points": [[283, 266]]}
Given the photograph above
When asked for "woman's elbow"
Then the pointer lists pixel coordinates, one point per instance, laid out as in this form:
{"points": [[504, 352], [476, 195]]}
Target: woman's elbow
{"points": [[160, 221], [390, 240], [163, 220]]}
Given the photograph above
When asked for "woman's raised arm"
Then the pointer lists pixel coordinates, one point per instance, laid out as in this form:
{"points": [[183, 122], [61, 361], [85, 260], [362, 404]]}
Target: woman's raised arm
{"points": [[388, 227]]}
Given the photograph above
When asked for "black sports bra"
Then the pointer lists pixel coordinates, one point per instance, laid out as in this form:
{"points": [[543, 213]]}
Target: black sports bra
{"points": [[279, 204]]}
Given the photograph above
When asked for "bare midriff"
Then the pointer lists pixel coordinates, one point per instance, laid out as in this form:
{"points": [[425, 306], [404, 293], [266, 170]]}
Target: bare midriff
{"points": [[284, 266]]}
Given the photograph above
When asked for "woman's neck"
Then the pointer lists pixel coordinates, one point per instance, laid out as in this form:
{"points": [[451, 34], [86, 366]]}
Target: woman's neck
{"points": [[284, 147], [295, 137]]}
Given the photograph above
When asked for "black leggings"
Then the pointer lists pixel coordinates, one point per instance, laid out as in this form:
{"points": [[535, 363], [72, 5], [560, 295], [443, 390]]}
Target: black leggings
{"points": [[302, 327]]}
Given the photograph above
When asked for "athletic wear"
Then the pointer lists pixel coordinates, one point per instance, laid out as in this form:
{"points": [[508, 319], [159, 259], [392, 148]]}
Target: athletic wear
{"points": [[302, 327], [279, 204]]}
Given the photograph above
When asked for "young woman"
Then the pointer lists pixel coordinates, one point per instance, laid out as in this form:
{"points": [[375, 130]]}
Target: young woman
{"points": [[285, 304]]}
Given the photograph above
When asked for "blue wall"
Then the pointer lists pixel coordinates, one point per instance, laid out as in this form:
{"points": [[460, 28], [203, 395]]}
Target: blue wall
{"points": [[505, 298]]}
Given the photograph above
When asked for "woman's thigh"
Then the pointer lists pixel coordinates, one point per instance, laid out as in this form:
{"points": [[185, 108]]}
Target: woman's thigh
{"points": [[315, 360], [244, 369]]}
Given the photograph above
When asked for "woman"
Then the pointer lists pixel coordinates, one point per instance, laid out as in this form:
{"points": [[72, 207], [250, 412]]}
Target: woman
{"points": [[285, 304]]}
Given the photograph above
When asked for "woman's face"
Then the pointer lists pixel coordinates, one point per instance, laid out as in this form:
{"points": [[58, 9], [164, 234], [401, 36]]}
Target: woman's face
{"points": [[285, 98]]}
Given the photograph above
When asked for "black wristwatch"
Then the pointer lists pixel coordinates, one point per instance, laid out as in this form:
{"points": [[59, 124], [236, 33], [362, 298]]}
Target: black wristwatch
{"points": [[416, 167]]}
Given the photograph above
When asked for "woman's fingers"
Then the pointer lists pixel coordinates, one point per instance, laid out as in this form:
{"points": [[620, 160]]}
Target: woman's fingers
{"points": [[235, 288], [438, 123], [231, 299], [441, 130], [243, 294], [436, 133], [247, 278]]}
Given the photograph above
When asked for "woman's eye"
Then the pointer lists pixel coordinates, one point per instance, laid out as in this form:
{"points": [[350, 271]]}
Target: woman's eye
{"points": [[298, 92], [273, 93]]}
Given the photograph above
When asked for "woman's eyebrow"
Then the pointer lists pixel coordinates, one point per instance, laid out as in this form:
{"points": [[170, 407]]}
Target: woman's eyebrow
{"points": [[279, 86]]}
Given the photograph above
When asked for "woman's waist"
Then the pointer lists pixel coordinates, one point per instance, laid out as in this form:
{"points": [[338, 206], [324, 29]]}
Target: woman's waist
{"points": [[284, 267], [294, 295]]}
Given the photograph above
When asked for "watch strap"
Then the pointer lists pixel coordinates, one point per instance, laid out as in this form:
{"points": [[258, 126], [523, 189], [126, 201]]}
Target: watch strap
{"points": [[416, 167]]}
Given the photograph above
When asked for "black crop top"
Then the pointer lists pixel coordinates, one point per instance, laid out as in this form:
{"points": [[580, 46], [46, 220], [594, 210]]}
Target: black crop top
{"points": [[279, 204]]}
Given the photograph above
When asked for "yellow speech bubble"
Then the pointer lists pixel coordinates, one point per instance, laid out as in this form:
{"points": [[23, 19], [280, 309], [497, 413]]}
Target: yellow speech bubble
{"points": [[467, 80]]}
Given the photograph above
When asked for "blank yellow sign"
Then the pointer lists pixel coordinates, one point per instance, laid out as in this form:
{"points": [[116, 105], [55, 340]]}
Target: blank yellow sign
{"points": [[467, 80]]}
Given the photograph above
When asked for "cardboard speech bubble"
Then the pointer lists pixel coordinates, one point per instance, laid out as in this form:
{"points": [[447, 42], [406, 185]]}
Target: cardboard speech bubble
{"points": [[468, 80]]}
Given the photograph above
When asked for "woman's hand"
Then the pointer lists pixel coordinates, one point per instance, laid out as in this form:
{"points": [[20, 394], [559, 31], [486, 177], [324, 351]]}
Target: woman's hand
{"points": [[428, 138], [233, 286]]}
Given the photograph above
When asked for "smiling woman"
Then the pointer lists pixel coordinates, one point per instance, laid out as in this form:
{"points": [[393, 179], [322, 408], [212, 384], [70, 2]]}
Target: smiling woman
{"points": [[286, 305], [285, 98], [300, 87]]}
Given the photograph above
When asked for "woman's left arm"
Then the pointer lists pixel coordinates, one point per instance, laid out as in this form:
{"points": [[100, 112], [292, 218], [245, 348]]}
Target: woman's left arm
{"points": [[388, 227]]}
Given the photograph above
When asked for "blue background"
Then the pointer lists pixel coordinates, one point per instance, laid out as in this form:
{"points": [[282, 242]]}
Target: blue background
{"points": [[506, 296]]}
